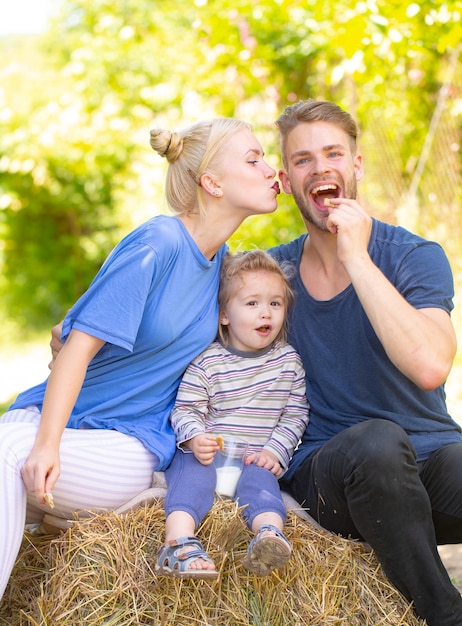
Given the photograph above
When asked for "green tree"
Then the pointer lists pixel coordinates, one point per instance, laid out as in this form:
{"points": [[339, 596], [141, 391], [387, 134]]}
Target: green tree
{"points": [[76, 170]]}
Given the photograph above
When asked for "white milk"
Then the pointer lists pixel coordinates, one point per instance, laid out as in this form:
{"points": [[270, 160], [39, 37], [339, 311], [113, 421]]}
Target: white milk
{"points": [[227, 479]]}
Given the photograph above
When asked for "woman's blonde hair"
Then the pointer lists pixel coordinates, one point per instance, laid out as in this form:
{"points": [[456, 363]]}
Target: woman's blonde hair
{"points": [[245, 262], [192, 152]]}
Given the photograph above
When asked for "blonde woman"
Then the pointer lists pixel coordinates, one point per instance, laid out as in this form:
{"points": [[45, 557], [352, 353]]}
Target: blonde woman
{"points": [[93, 433]]}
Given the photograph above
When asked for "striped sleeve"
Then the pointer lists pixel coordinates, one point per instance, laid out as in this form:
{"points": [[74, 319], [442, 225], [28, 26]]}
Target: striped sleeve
{"points": [[260, 399]]}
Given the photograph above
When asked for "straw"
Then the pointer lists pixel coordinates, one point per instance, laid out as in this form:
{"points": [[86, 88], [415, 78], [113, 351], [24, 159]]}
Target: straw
{"points": [[101, 572]]}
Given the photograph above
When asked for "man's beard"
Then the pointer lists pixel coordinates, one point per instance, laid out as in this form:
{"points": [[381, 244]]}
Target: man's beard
{"points": [[303, 203], [307, 214]]}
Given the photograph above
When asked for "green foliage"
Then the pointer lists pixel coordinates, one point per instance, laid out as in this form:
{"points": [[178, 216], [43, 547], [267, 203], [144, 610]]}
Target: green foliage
{"points": [[76, 170], [266, 231], [52, 242]]}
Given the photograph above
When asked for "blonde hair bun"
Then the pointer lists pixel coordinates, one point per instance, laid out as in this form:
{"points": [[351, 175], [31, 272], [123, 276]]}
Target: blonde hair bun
{"points": [[166, 143]]}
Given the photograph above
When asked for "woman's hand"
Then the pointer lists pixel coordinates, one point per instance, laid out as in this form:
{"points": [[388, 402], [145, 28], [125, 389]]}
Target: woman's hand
{"points": [[55, 343], [40, 471]]}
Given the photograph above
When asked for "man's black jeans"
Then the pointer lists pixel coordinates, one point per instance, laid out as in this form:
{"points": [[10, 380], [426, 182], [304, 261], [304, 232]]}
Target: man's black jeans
{"points": [[365, 484]]}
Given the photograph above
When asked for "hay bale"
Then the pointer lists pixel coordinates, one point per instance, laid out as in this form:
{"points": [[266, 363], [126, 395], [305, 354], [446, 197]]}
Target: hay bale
{"points": [[100, 572]]}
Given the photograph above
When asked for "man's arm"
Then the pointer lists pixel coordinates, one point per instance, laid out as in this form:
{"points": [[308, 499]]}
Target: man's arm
{"points": [[420, 342]]}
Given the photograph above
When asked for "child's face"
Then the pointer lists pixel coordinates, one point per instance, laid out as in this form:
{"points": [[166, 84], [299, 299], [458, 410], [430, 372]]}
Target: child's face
{"points": [[256, 311]]}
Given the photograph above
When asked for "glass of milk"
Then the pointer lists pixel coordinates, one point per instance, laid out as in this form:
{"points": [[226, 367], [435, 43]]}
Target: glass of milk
{"points": [[229, 463]]}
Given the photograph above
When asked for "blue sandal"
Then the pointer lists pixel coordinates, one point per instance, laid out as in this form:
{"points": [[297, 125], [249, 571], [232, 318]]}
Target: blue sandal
{"points": [[267, 552], [173, 560]]}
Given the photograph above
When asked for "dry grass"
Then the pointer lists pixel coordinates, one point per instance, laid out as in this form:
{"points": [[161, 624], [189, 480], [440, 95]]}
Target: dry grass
{"points": [[100, 572]]}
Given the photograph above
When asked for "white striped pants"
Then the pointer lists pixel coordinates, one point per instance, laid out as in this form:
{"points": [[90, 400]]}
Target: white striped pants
{"points": [[100, 469]]}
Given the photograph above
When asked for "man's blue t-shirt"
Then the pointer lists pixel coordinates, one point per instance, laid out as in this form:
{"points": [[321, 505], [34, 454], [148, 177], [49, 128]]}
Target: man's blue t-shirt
{"points": [[349, 376], [154, 303]]}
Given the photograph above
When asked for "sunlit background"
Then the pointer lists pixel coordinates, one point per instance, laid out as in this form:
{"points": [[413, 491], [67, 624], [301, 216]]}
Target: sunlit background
{"points": [[83, 81], [24, 16]]}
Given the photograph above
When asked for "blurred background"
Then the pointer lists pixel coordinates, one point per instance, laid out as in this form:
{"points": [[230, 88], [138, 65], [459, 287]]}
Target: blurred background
{"points": [[83, 81]]}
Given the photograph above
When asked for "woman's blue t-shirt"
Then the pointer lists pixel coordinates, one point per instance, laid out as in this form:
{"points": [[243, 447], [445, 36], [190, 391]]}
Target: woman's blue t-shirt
{"points": [[154, 303]]}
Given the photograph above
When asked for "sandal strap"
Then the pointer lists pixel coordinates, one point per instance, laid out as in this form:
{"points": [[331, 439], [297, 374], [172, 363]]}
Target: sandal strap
{"points": [[185, 541], [273, 529], [267, 527], [174, 551], [194, 554], [174, 547]]}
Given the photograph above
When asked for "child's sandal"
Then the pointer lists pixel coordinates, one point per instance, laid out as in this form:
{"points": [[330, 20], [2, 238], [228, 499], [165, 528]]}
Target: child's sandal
{"points": [[267, 552], [174, 561]]}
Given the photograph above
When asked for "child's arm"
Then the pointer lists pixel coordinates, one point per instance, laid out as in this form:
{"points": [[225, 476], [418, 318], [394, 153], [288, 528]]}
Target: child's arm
{"points": [[293, 419], [41, 469], [191, 405]]}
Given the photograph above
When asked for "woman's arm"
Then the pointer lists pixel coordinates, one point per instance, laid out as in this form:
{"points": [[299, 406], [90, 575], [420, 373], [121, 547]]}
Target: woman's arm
{"points": [[41, 469]]}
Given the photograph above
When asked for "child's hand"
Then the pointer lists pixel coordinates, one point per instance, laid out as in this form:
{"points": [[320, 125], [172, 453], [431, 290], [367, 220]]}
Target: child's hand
{"points": [[204, 447], [265, 459]]}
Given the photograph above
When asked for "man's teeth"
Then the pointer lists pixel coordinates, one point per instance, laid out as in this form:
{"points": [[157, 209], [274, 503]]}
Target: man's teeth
{"points": [[322, 188]]}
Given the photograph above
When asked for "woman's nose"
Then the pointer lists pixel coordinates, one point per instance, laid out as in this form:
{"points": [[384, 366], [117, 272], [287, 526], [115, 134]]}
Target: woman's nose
{"points": [[270, 171]]}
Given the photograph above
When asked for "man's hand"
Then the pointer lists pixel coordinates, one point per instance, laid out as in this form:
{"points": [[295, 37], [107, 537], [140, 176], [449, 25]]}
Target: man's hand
{"points": [[265, 459], [55, 344], [353, 227], [204, 447]]}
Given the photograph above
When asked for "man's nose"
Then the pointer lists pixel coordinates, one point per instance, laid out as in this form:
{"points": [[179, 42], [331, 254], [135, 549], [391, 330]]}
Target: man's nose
{"points": [[320, 165]]}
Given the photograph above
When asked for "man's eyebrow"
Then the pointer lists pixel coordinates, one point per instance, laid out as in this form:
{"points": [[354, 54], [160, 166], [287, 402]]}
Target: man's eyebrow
{"points": [[298, 153], [304, 152]]}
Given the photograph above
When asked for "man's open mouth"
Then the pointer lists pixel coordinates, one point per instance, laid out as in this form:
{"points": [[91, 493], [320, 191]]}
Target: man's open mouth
{"points": [[320, 192]]}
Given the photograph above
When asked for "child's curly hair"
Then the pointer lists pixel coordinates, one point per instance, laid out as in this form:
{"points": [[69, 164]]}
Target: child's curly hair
{"points": [[252, 261]]}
